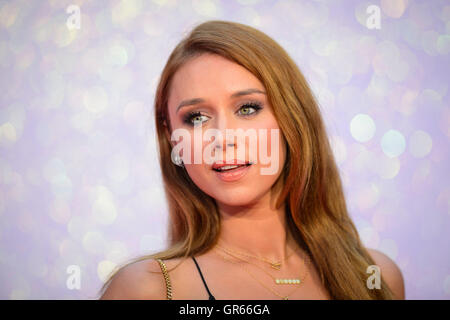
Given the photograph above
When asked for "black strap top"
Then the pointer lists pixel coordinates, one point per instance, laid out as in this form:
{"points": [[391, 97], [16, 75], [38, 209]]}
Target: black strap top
{"points": [[211, 297]]}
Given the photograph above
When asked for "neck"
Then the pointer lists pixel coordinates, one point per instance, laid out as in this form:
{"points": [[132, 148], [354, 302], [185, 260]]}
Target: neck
{"points": [[259, 229]]}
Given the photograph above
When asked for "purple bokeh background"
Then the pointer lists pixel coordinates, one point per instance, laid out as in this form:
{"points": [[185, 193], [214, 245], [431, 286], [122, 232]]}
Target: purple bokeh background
{"points": [[80, 183]]}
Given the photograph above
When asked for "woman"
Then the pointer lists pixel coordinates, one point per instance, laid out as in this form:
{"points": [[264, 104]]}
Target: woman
{"points": [[236, 233]]}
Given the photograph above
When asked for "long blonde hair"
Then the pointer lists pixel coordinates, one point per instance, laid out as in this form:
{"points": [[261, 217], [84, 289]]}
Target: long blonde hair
{"points": [[312, 191]]}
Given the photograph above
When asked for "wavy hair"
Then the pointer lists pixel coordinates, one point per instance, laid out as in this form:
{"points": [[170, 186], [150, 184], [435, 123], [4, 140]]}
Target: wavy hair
{"points": [[311, 188]]}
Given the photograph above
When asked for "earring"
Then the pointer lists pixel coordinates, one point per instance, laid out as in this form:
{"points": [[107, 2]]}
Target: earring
{"points": [[177, 159]]}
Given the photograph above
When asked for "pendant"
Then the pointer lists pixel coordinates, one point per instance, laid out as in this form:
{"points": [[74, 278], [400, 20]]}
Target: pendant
{"points": [[286, 298], [276, 265], [287, 281]]}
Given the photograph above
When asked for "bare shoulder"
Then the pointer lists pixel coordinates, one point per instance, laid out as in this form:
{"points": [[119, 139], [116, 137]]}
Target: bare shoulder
{"points": [[141, 280], [390, 272]]}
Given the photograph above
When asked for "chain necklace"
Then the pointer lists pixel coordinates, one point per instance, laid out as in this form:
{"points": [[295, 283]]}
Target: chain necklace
{"points": [[275, 265], [279, 281], [284, 297]]}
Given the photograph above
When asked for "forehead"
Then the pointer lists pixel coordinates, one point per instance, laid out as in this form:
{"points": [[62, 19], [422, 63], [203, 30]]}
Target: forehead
{"points": [[210, 76]]}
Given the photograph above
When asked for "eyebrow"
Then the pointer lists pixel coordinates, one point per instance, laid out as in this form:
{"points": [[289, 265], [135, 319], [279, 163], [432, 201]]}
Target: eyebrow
{"points": [[234, 95]]}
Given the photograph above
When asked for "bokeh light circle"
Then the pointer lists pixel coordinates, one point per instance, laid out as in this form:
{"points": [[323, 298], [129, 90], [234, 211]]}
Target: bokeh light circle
{"points": [[420, 144], [393, 143], [362, 127]]}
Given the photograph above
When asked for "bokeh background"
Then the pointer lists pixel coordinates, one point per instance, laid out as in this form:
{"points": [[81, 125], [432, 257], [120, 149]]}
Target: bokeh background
{"points": [[80, 183]]}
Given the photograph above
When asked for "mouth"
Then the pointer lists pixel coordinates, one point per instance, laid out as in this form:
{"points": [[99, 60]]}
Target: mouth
{"points": [[230, 166], [231, 171]]}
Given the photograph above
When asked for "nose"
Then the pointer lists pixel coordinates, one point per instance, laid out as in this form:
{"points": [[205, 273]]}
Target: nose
{"points": [[224, 145], [224, 123]]}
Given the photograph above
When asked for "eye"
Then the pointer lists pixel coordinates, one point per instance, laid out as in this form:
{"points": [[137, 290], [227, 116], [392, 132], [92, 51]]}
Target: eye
{"points": [[249, 108], [194, 118]]}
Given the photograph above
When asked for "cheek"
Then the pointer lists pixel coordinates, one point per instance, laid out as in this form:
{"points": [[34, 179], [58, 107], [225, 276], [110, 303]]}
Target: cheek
{"points": [[198, 174], [271, 145]]}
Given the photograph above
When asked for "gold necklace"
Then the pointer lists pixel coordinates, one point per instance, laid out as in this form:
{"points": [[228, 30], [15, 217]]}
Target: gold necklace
{"points": [[275, 265], [279, 280], [284, 297]]}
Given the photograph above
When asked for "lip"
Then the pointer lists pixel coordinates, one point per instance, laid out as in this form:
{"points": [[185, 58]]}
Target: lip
{"points": [[220, 164], [234, 175]]}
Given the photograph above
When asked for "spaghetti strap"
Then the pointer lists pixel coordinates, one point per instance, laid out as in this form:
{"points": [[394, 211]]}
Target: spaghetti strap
{"points": [[211, 297], [166, 278]]}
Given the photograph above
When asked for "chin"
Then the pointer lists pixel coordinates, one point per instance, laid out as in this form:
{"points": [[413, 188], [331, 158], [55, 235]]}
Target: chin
{"points": [[233, 201], [238, 193], [237, 197]]}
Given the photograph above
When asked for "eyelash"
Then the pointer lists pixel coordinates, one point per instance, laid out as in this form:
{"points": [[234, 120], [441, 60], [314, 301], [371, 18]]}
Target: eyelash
{"points": [[255, 105]]}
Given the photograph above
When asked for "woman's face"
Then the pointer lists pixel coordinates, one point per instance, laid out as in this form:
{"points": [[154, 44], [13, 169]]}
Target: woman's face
{"points": [[212, 82]]}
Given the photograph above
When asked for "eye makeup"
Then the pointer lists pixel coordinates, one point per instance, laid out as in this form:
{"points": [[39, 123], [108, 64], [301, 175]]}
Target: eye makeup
{"points": [[255, 105]]}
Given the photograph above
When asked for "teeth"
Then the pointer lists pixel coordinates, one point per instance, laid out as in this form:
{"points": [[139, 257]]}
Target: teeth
{"points": [[227, 167], [233, 166]]}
